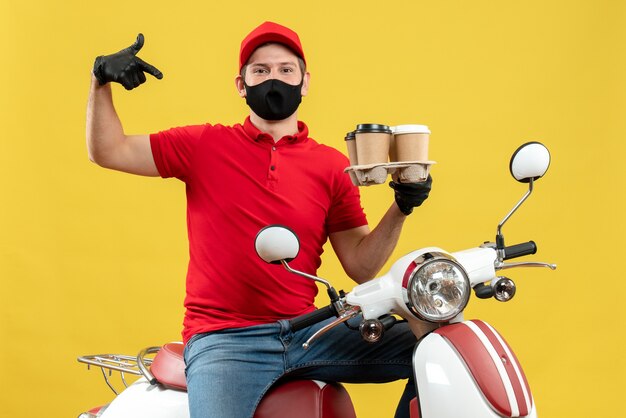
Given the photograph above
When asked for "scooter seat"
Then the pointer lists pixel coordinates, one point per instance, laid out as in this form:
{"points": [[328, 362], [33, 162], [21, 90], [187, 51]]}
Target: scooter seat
{"points": [[301, 398], [168, 366], [306, 399]]}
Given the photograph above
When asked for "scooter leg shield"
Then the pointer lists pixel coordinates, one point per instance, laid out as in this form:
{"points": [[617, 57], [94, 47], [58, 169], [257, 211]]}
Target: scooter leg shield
{"points": [[467, 370]]}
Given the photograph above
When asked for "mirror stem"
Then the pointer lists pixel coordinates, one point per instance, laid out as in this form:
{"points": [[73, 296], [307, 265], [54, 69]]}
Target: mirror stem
{"points": [[499, 236], [332, 293]]}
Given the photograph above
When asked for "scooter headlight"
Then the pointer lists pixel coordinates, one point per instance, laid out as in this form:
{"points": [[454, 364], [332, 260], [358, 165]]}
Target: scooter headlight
{"points": [[436, 287]]}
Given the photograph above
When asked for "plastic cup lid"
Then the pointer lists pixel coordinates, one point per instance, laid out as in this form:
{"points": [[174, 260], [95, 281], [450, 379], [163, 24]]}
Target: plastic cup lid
{"points": [[350, 135], [410, 129], [372, 127]]}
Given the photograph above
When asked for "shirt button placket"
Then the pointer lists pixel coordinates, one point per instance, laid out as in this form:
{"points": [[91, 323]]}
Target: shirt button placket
{"points": [[272, 173]]}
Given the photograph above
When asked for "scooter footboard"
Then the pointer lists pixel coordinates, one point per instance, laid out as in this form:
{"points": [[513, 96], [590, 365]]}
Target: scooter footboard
{"points": [[467, 369]]}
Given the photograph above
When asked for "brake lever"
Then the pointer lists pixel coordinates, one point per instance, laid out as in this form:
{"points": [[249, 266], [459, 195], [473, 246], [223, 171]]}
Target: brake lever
{"points": [[348, 314], [504, 266]]}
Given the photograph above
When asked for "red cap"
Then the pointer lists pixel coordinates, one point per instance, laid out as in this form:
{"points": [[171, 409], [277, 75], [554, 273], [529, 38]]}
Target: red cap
{"points": [[269, 32]]}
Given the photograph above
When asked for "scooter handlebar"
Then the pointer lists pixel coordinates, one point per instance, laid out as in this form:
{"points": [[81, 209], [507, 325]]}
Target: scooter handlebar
{"points": [[519, 250], [311, 318]]}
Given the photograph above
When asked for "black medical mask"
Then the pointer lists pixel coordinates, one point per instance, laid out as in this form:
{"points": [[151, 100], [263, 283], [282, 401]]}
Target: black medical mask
{"points": [[274, 99]]}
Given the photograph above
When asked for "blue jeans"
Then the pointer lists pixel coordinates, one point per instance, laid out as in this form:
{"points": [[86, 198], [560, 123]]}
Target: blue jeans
{"points": [[229, 371]]}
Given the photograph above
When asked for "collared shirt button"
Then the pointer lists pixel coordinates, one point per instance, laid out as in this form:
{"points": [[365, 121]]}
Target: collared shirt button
{"points": [[273, 148], [272, 168]]}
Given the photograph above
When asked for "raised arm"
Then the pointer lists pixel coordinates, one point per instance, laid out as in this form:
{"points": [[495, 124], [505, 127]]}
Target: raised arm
{"points": [[363, 252], [107, 144]]}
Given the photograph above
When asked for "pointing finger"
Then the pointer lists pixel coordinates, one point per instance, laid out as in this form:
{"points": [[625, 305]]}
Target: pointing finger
{"points": [[150, 69]]}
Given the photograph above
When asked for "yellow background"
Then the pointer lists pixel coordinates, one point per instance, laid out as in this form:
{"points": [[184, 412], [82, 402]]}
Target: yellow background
{"points": [[94, 261]]}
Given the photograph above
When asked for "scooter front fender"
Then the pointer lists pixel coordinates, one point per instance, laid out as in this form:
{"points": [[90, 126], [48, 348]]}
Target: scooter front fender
{"points": [[142, 400], [468, 370]]}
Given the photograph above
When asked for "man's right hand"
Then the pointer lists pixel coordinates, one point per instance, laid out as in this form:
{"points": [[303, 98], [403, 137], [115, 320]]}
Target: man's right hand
{"points": [[124, 67]]}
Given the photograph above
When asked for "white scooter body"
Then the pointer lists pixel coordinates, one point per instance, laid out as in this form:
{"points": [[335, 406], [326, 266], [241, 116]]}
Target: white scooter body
{"points": [[384, 295], [143, 400], [462, 369]]}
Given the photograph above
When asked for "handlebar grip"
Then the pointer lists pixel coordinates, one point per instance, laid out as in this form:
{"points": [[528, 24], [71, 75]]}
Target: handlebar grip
{"points": [[519, 250], [311, 318]]}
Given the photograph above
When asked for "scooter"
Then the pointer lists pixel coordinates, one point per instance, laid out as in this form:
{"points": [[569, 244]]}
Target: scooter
{"points": [[462, 368]]}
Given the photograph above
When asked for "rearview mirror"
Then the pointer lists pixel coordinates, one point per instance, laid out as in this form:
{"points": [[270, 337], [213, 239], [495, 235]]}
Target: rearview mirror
{"points": [[530, 161], [276, 243]]}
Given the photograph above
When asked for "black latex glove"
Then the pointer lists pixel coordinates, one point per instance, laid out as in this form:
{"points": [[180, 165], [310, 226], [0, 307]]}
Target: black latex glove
{"points": [[411, 195], [124, 67]]}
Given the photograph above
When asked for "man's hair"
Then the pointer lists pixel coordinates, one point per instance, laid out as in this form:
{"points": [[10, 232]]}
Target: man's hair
{"points": [[301, 63]]}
